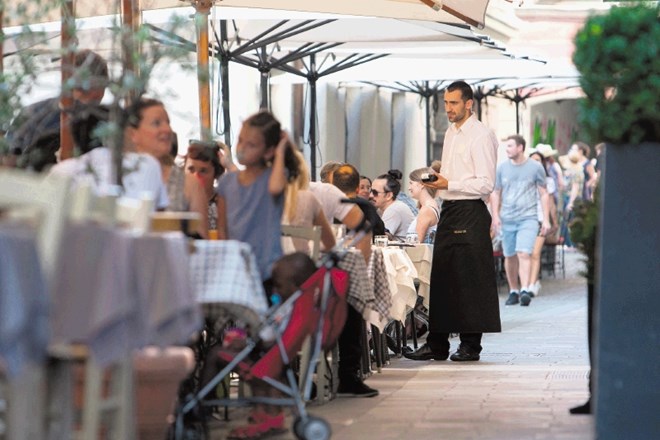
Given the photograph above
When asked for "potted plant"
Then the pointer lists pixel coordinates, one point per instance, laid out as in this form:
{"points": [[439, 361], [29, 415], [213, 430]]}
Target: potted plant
{"points": [[618, 55]]}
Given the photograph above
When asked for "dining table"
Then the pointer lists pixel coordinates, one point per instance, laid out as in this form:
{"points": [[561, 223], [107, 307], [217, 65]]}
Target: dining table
{"points": [[226, 282], [421, 256]]}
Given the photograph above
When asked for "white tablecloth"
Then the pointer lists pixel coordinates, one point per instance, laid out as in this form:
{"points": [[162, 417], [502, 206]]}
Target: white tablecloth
{"points": [[422, 257], [401, 274]]}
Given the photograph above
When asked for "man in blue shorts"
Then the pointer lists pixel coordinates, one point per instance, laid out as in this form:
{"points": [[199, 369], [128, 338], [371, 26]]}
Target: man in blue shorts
{"points": [[514, 205]]}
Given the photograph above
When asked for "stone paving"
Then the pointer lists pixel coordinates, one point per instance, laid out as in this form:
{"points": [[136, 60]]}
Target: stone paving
{"points": [[528, 377]]}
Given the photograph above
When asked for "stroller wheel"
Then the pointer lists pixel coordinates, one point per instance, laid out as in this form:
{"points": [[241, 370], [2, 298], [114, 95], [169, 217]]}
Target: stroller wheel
{"points": [[311, 428]]}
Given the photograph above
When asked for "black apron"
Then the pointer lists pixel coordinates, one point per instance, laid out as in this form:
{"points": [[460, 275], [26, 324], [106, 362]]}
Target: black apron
{"points": [[463, 297]]}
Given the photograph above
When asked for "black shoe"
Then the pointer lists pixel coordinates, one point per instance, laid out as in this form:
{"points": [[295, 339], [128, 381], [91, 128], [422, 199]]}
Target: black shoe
{"points": [[512, 300], [582, 409], [353, 387], [425, 353], [464, 354], [525, 298]]}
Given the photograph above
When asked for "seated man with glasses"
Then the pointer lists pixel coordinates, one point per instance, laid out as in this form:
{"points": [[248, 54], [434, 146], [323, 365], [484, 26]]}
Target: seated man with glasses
{"points": [[395, 214]]}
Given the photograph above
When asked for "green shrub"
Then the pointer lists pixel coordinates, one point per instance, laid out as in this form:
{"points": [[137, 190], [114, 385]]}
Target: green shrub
{"points": [[618, 56]]}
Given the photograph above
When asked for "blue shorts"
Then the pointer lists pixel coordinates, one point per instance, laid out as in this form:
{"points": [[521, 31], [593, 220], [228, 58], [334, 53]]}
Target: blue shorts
{"points": [[519, 236]]}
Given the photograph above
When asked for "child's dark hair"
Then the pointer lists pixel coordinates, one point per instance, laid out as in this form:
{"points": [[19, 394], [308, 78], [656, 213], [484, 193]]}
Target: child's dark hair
{"points": [[393, 181], [206, 152], [271, 129]]}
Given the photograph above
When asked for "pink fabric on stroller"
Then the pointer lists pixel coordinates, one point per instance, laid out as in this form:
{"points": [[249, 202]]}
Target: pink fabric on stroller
{"points": [[305, 319]]}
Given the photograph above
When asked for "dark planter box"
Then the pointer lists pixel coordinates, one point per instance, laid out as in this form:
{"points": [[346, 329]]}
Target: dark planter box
{"points": [[627, 364]]}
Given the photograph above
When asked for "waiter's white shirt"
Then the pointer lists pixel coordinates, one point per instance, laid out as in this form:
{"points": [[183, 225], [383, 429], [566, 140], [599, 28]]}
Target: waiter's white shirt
{"points": [[469, 161]]}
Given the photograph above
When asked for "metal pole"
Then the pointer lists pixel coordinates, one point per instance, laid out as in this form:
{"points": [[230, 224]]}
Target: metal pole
{"points": [[312, 115], [427, 101], [224, 75], [66, 98], [517, 112], [265, 72], [202, 11]]}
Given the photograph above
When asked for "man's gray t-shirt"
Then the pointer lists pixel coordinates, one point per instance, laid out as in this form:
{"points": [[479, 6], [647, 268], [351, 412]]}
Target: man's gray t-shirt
{"points": [[519, 185]]}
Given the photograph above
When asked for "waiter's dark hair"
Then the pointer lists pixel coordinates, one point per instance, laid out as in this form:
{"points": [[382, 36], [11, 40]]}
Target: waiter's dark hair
{"points": [[392, 181], [466, 90]]}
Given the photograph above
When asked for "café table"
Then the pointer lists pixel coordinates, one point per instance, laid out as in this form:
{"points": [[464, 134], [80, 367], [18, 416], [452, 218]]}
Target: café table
{"points": [[401, 274], [226, 282], [421, 256]]}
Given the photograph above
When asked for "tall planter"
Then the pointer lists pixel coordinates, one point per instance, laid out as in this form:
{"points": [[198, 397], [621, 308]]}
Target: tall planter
{"points": [[627, 368]]}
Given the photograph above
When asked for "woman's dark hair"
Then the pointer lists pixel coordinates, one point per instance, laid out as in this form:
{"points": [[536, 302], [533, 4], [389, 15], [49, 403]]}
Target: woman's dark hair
{"points": [[132, 115], [542, 161], [206, 152], [271, 129], [365, 177], [392, 181]]}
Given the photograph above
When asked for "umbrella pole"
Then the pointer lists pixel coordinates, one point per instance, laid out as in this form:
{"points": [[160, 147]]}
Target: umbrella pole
{"points": [[312, 115], [130, 17], [66, 97], [427, 101], [202, 11], [224, 75], [264, 74]]}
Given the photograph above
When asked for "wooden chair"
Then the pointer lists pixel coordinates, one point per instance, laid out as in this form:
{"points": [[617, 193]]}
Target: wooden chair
{"points": [[311, 233]]}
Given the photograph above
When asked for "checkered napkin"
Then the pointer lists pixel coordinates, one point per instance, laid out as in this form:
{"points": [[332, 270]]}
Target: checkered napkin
{"points": [[226, 272]]}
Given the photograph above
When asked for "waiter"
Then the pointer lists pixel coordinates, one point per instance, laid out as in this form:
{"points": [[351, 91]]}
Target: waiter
{"points": [[463, 286]]}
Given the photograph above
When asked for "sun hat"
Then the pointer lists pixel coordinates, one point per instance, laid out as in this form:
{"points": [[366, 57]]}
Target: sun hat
{"points": [[546, 150]]}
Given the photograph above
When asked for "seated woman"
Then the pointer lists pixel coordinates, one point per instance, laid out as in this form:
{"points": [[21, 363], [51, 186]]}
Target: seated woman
{"points": [[288, 274], [202, 162], [302, 208], [149, 132], [423, 226], [141, 171]]}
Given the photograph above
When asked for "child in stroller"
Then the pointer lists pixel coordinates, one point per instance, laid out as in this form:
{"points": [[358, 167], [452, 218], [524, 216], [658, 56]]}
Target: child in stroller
{"points": [[288, 274]]}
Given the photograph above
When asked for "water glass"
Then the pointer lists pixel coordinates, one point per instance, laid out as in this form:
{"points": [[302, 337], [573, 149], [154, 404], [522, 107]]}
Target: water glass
{"points": [[380, 240]]}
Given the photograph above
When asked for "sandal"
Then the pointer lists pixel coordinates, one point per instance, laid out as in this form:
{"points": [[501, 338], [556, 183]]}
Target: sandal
{"points": [[262, 424]]}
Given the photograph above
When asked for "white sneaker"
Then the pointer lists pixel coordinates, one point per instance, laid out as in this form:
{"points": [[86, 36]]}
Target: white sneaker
{"points": [[537, 288]]}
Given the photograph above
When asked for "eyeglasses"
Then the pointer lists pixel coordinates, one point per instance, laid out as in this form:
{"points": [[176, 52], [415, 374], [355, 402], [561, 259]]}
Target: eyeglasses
{"points": [[375, 193]]}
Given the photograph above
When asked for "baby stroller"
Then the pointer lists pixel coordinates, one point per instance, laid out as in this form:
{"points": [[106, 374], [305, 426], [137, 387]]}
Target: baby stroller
{"points": [[318, 310]]}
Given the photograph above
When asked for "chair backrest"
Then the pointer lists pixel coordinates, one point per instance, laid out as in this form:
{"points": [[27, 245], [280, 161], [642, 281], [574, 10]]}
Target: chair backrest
{"points": [[311, 233], [39, 197]]}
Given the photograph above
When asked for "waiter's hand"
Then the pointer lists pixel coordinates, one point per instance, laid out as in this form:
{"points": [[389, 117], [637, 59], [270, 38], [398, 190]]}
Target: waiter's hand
{"points": [[441, 183]]}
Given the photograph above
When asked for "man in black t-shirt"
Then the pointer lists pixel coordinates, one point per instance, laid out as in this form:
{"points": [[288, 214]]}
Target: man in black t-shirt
{"points": [[347, 179]]}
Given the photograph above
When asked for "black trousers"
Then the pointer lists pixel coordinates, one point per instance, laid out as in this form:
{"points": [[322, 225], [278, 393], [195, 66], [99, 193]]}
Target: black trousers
{"points": [[439, 342], [350, 348]]}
